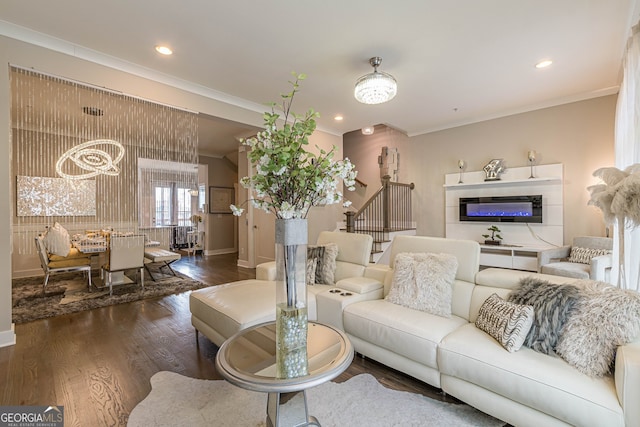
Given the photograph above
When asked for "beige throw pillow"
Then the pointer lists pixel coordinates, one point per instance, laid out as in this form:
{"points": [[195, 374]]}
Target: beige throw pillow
{"points": [[57, 240], [424, 281]]}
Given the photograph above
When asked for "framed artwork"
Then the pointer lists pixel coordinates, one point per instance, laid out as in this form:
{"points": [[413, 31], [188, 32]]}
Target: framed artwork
{"points": [[220, 198], [43, 196]]}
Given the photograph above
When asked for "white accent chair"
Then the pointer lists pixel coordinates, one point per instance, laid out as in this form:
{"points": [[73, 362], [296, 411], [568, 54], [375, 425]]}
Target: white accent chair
{"points": [[555, 261], [125, 253], [50, 263]]}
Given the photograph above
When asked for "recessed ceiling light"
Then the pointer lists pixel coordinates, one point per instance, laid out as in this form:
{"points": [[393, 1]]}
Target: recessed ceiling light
{"points": [[338, 118], [367, 130], [544, 64], [164, 50]]}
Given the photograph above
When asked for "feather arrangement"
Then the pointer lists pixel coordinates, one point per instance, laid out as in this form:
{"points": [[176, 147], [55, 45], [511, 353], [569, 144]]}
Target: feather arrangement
{"points": [[618, 197]]}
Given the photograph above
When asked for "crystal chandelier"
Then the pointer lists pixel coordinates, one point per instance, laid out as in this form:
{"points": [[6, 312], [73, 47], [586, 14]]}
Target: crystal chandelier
{"points": [[376, 87]]}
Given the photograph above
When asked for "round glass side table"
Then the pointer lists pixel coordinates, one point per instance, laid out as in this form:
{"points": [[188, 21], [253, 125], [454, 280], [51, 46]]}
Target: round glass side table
{"points": [[248, 360]]}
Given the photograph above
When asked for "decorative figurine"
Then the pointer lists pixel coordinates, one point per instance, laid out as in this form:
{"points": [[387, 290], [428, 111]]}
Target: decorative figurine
{"points": [[493, 169]]}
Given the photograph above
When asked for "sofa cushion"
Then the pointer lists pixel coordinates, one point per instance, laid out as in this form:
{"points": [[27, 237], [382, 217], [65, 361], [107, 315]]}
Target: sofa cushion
{"points": [[552, 303], [411, 333], [424, 281], [542, 382], [604, 318], [505, 321]]}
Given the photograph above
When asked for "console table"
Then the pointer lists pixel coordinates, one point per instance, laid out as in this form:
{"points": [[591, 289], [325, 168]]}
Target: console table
{"points": [[511, 256], [248, 360]]}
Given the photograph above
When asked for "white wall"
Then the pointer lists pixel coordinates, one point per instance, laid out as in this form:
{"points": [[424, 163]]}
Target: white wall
{"points": [[578, 135]]}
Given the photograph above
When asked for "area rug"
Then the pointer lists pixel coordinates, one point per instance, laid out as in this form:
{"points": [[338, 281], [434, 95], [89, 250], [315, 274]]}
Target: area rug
{"points": [[176, 400], [67, 293]]}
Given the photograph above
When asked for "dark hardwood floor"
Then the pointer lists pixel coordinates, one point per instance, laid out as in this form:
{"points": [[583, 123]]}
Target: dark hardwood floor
{"points": [[98, 363]]}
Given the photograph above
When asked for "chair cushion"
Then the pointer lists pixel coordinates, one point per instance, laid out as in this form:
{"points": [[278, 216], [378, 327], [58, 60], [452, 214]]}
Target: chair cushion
{"points": [[567, 269], [73, 253], [70, 262]]}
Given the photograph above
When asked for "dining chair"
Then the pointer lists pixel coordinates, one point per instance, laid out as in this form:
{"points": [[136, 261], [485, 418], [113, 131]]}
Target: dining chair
{"points": [[125, 253], [50, 263]]}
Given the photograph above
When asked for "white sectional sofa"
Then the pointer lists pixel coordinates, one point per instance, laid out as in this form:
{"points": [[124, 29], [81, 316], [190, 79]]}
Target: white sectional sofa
{"points": [[525, 388]]}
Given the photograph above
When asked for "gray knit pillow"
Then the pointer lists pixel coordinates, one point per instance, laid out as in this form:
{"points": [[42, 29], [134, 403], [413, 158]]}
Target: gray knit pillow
{"points": [[507, 322], [552, 305], [604, 318], [584, 255]]}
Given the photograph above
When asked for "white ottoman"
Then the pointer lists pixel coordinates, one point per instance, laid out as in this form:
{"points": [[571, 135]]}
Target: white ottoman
{"points": [[154, 255], [221, 311]]}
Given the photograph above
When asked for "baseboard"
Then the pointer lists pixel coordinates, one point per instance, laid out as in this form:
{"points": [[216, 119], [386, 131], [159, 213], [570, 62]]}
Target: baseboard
{"points": [[220, 251], [244, 264], [8, 338], [33, 272]]}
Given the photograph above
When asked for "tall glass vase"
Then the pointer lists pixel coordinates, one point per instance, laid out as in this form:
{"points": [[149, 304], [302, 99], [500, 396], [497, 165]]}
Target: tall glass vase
{"points": [[291, 298]]}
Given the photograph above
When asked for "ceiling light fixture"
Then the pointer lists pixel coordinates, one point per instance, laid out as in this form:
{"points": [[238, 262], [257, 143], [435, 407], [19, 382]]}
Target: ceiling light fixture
{"points": [[376, 87], [338, 118], [367, 130], [164, 50], [95, 157], [544, 64]]}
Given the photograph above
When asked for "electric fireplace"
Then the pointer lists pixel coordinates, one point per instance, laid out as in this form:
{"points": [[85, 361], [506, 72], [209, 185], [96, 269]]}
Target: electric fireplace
{"points": [[501, 209]]}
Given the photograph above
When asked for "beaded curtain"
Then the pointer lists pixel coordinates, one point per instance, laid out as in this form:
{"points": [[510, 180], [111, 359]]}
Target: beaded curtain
{"points": [[75, 154]]}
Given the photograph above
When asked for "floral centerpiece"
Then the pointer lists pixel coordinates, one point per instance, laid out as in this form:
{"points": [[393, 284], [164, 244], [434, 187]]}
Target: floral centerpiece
{"points": [[288, 179], [287, 182]]}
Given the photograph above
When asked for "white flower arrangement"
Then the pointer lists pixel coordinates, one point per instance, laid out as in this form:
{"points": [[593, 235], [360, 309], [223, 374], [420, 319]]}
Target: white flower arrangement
{"points": [[289, 180]]}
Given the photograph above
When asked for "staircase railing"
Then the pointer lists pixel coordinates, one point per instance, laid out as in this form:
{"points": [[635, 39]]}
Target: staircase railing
{"points": [[389, 209]]}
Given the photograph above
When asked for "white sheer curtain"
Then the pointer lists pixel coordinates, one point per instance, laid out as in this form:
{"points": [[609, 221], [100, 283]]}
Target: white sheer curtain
{"points": [[627, 148]]}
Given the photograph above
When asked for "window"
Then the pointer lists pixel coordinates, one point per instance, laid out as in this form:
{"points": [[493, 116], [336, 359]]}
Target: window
{"points": [[165, 193], [173, 205], [184, 206], [163, 206]]}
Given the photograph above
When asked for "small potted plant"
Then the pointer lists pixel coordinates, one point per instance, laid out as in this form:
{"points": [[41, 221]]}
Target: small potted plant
{"points": [[494, 238]]}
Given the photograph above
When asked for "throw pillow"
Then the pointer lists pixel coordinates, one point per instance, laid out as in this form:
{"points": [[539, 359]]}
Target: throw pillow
{"points": [[424, 281], [57, 240], [584, 255], [552, 305], [605, 318], [506, 322], [310, 277], [325, 256]]}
